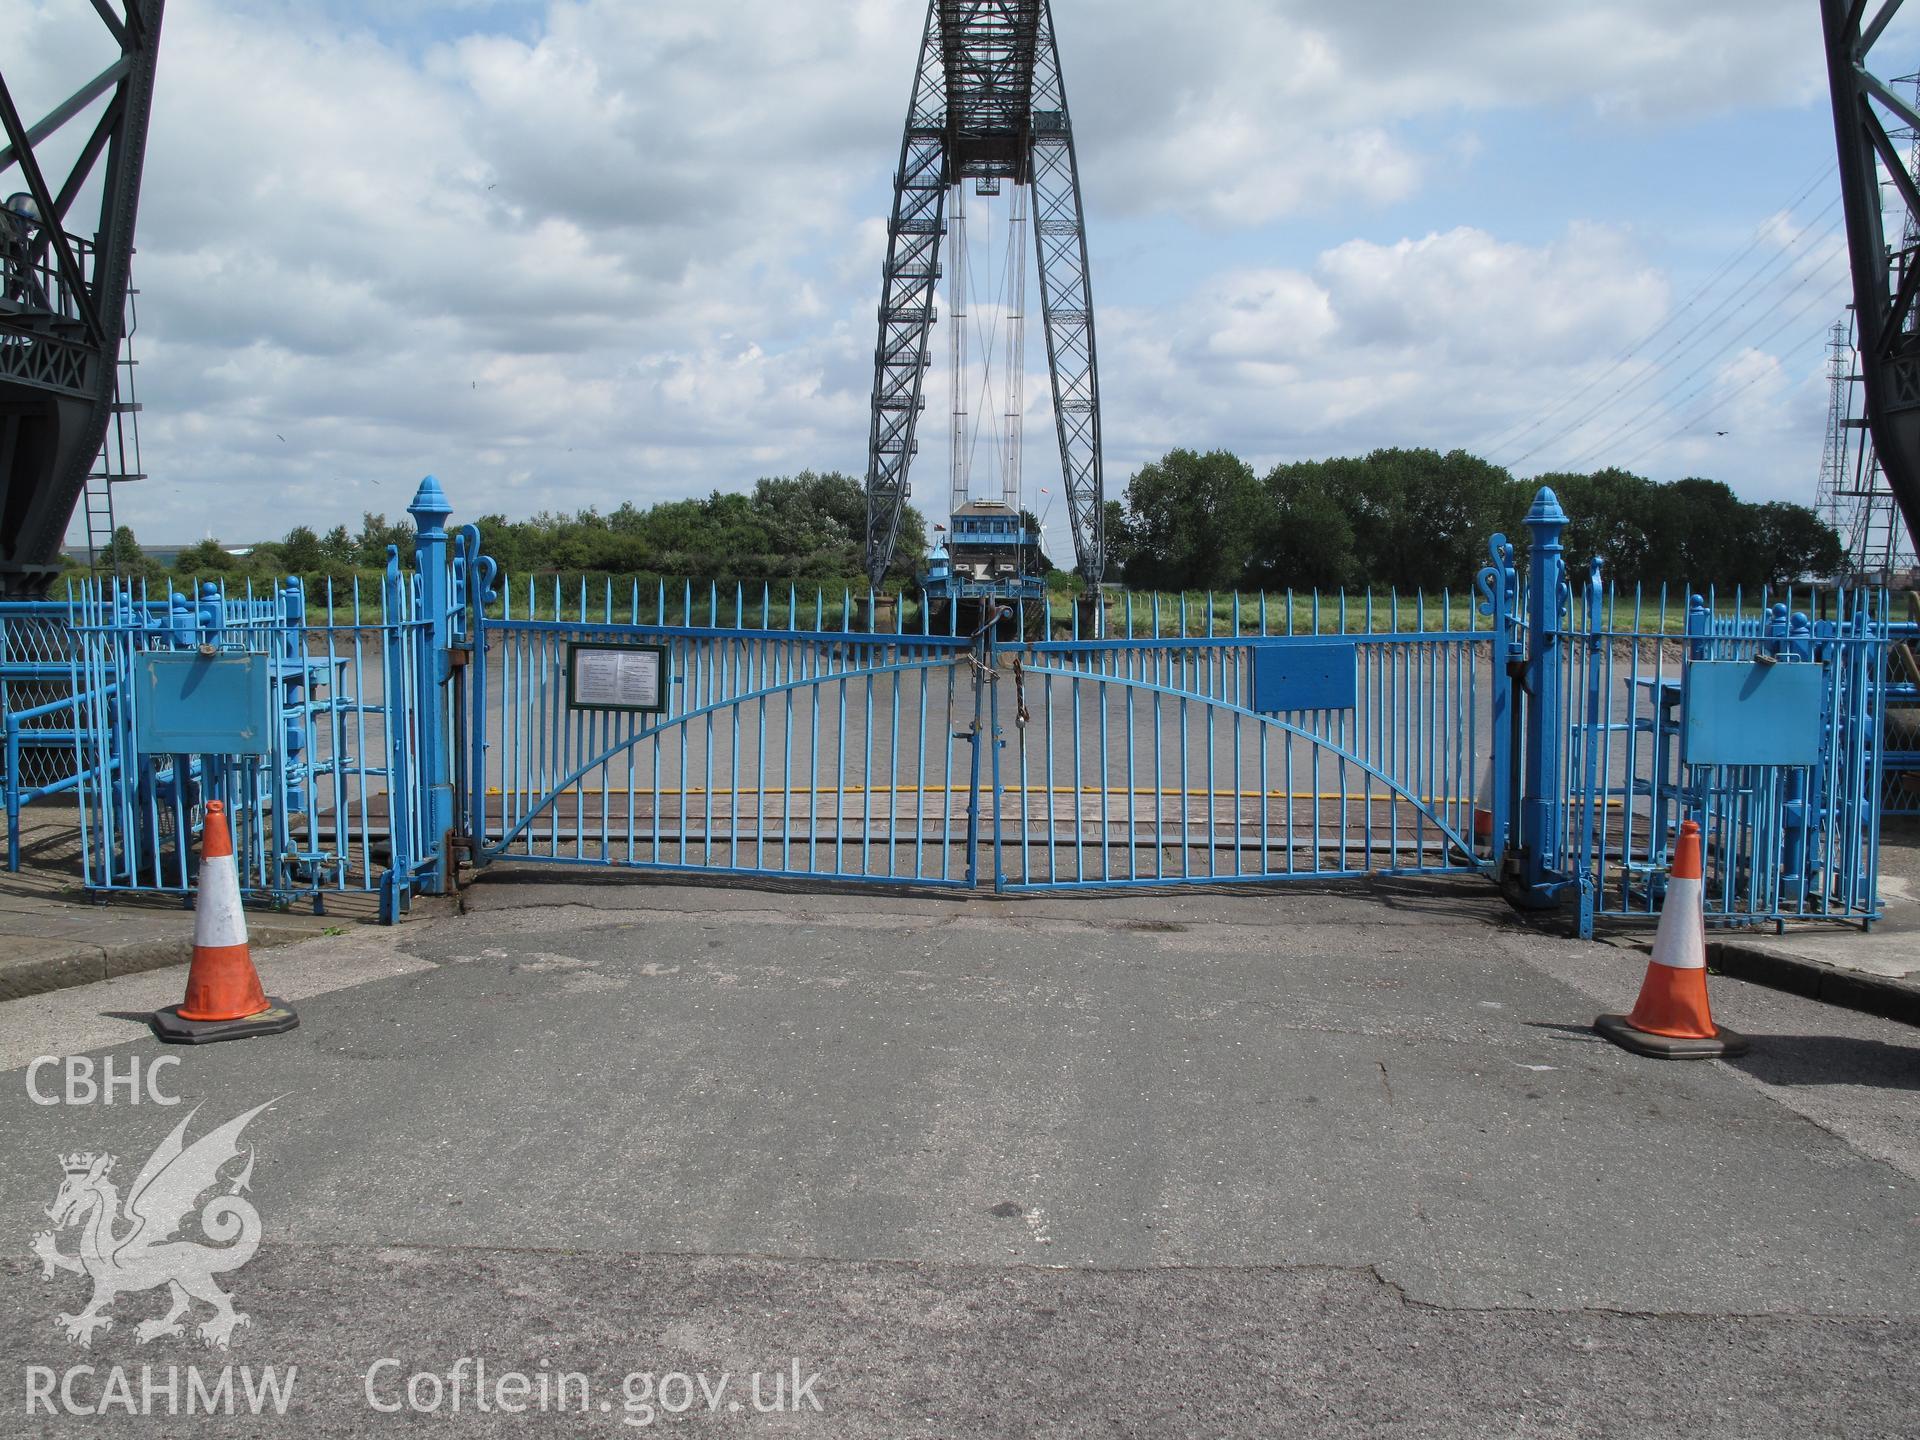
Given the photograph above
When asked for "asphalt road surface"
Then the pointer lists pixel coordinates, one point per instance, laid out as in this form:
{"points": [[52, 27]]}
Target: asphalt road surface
{"points": [[1344, 1162]]}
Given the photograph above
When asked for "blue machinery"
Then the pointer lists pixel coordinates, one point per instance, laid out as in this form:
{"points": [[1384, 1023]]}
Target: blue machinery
{"points": [[302, 714], [1548, 734], [989, 556]]}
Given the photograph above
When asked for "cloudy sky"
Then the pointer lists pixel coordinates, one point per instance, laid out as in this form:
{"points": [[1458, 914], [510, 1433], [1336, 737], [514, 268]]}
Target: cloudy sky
{"points": [[572, 254]]}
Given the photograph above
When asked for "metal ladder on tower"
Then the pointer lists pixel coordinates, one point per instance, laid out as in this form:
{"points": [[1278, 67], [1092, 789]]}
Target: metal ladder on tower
{"points": [[119, 459]]}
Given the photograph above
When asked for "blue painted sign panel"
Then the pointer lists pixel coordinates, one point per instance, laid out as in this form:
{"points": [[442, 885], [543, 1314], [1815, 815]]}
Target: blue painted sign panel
{"points": [[1304, 675], [1738, 712], [187, 703]]}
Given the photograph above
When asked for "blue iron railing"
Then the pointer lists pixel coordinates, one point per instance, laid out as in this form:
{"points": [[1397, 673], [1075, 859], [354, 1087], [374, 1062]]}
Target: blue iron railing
{"points": [[1548, 735], [1900, 783], [1782, 840], [334, 801]]}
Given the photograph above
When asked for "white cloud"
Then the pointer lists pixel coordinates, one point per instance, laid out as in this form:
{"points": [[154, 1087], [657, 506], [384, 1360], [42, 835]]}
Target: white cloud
{"points": [[1248, 109], [603, 250], [1443, 340], [1480, 299]]}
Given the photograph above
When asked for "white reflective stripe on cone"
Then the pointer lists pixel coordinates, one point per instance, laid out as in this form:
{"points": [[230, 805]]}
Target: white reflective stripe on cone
{"points": [[1681, 939], [217, 917]]}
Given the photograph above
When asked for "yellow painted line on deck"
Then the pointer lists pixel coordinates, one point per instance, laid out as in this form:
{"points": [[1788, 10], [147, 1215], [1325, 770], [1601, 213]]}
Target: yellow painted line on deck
{"points": [[1192, 794], [1352, 797]]}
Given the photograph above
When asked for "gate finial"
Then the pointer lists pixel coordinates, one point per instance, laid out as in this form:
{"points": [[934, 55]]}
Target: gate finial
{"points": [[430, 509]]}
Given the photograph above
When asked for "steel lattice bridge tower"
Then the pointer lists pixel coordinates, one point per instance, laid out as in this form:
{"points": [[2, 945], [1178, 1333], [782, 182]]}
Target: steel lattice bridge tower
{"points": [[988, 107], [1886, 279], [63, 296]]}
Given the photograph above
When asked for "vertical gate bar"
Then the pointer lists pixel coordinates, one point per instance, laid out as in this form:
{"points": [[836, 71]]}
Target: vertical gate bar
{"points": [[1186, 787], [361, 753], [1127, 662], [1266, 791], [993, 740], [1371, 721], [1210, 834], [839, 781], [1313, 785], [866, 783], [513, 644], [756, 683], [335, 732], [1079, 789], [786, 769], [1239, 699], [691, 649], [567, 724], [946, 749], [813, 751], [1052, 821], [1154, 668], [1391, 658], [1023, 845], [1106, 784], [981, 655], [893, 653], [920, 768], [399, 780]]}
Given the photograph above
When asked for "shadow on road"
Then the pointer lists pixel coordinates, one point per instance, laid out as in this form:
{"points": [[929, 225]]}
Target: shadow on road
{"points": [[1832, 1060]]}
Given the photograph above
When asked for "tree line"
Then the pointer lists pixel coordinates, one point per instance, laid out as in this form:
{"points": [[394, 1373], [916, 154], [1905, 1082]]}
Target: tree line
{"points": [[1418, 519], [808, 527], [1412, 519]]}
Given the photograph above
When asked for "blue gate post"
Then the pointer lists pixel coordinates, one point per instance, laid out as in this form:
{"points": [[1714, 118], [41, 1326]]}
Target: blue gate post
{"points": [[430, 512], [1538, 881]]}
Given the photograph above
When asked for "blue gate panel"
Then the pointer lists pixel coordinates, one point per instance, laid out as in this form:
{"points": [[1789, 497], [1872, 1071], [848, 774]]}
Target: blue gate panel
{"points": [[1293, 675], [1746, 713], [193, 704]]}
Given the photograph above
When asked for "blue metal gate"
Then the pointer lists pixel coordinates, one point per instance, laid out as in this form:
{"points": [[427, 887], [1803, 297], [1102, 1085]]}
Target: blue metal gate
{"points": [[754, 735], [787, 736], [1207, 746]]}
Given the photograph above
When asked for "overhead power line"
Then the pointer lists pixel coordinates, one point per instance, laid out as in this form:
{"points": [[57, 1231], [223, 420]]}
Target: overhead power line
{"points": [[1817, 302], [1650, 412], [1513, 436], [1754, 290]]}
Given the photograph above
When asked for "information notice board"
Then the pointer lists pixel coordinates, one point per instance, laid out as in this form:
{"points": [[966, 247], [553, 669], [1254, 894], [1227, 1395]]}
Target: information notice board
{"points": [[617, 677]]}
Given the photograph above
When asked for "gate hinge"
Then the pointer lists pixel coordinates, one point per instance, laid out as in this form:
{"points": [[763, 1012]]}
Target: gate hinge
{"points": [[458, 656]]}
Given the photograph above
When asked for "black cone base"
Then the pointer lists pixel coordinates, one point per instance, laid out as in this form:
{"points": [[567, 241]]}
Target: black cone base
{"points": [[170, 1027], [1665, 1047]]}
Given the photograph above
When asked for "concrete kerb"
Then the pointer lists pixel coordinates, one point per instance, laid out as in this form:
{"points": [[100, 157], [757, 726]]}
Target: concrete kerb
{"points": [[35, 964], [1758, 962], [68, 945], [53, 936]]}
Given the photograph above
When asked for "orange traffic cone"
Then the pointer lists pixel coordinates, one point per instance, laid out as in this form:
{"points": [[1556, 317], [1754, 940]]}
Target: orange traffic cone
{"points": [[224, 999], [1671, 1020], [1483, 806]]}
